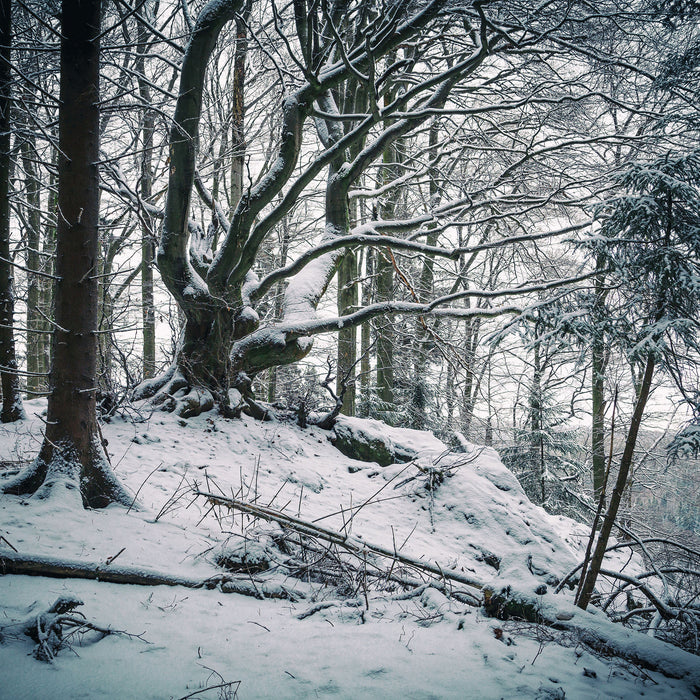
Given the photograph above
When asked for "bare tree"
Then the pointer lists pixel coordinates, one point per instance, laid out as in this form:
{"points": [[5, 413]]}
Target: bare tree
{"points": [[224, 344]]}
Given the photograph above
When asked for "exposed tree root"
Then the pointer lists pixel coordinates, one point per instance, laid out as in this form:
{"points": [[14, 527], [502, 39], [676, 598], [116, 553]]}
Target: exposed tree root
{"points": [[172, 392], [58, 472], [54, 628], [11, 563]]}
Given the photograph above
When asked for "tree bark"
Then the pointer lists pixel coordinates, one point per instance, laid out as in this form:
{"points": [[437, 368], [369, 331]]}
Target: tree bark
{"points": [[20, 565], [365, 337], [72, 458], [385, 292]]}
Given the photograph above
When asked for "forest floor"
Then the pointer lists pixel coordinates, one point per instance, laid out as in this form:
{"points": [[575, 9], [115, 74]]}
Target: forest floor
{"points": [[345, 628]]}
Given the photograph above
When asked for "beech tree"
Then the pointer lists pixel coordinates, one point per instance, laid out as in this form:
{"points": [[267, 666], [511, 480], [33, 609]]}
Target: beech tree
{"points": [[72, 458], [407, 60]]}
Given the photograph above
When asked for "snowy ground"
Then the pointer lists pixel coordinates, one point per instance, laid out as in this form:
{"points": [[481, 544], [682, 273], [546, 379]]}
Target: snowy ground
{"points": [[477, 523]]}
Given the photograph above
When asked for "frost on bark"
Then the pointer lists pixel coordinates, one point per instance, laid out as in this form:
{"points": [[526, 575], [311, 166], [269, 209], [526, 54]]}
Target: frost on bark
{"points": [[72, 459]]}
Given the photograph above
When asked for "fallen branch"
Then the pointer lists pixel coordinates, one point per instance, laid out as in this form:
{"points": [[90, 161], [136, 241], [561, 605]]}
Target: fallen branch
{"points": [[347, 542], [37, 565]]}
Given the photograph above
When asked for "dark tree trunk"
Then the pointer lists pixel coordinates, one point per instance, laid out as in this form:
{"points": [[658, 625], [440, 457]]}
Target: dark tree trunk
{"points": [[421, 350], [589, 580], [11, 397], [238, 116], [72, 458], [598, 417]]}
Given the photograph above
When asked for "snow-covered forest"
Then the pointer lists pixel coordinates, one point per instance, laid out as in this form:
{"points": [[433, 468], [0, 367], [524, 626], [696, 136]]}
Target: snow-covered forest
{"points": [[349, 347]]}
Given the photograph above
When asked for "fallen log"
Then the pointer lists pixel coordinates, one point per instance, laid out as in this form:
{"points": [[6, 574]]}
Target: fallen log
{"points": [[599, 633], [39, 565], [647, 652]]}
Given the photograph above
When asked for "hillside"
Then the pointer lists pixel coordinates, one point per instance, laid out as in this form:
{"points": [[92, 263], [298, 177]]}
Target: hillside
{"points": [[343, 627]]}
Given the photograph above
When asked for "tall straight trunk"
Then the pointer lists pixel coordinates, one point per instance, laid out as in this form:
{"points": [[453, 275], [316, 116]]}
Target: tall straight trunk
{"points": [[347, 337], [105, 319], [148, 246], [598, 362], [425, 290], [488, 428], [536, 446], [47, 286], [36, 383], [238, 117], [9, 379], [72, 458], [385, 336], [385, 292], [591, 575], [279, 298], [365, 336], [598, 417]]}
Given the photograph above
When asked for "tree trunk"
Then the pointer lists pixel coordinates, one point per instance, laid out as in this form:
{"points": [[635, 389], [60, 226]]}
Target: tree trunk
{"points": [[105, 318], [385, 292], [598, 417], [285, 239], [11, 397], [238, 117], [47, 284], [598, 386], [591, 575], [36, 383], [425, 291], [536, 447], [365, 337], [72, 458], [148, 247], [347, 337], [385, 338]]}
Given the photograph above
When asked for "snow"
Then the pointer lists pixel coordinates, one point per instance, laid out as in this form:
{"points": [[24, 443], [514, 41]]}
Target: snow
{"points": [[474, 520]]}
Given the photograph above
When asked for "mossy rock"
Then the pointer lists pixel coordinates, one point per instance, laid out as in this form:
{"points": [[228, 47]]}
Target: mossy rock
{"points": [[506, 605], [365, 448]]}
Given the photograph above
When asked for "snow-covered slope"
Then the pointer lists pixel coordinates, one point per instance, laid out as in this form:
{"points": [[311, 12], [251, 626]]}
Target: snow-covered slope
{"points": [[464, 512]]}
